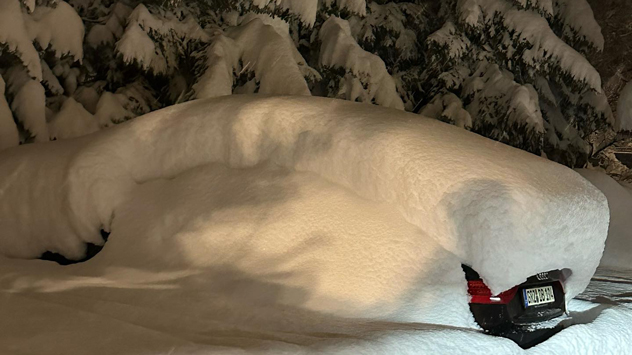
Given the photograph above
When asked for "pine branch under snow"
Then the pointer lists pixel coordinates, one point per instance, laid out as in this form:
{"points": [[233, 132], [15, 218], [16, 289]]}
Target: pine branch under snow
{"points": [[448, 107], [61, 28], [455, 43], [9, 136], [136, 47], [222, 58], [13, 33], [339, 49], [494, 89], [72, 121], [50, 80], [579, 20], [271, 57], [110, 109], [29, 107], [535, 30]]}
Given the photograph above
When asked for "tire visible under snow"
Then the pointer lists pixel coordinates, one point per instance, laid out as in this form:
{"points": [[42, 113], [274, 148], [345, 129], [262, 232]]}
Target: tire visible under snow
{"points": [[505, 212]]}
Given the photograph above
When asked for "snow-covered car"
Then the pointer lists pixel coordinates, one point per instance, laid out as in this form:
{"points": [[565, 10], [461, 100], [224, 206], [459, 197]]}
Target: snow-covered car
{"points": [[249, 220]]}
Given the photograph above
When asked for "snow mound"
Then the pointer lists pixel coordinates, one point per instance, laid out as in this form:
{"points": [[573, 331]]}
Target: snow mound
{"points": [[285, 238], [618, 249], [507, 213]]}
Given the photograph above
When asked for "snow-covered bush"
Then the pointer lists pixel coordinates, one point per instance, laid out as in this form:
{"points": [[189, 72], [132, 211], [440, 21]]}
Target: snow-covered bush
{"points": [[520, 69]]}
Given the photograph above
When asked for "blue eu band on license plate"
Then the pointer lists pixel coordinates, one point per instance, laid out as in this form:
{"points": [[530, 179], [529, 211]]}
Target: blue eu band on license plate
{"points": [[538, 295]]}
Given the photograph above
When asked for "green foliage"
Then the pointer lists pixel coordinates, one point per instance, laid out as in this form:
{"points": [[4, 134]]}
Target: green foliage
{"points": [[428, 49]]}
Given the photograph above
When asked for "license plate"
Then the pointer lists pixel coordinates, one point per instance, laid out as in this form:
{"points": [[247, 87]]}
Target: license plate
{"points": [[538, 295]]}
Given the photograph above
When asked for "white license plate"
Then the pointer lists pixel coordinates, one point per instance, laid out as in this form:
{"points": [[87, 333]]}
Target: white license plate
{"points": [[538, 295]]}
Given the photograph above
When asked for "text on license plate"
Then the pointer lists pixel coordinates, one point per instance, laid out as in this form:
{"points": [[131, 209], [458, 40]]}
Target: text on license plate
{"points": [[538, 295]]}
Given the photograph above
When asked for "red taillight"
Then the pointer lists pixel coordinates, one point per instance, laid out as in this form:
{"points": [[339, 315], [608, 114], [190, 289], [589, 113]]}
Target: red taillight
{"points": [[482, 294]]}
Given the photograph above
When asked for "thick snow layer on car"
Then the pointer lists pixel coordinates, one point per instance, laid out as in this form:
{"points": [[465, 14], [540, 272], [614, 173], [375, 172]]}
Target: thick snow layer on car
{"points": [[507, 213], [274, 238], [618, 251], [261, 260]]}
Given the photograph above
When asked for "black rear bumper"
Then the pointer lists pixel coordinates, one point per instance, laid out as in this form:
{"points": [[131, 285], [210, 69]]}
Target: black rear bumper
{"points": [[497, 318]]}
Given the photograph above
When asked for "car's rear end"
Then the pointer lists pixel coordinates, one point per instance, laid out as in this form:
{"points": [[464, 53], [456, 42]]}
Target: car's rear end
{"points": [[540, 298]]}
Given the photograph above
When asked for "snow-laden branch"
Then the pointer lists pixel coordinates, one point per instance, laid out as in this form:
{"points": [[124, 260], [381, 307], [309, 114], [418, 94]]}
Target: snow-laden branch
{"points": [[13, 34], [455, 43], [339, 49], [533, 29], [138, 42], [579, 20], [59, 28], [271, 57], [493, 89], [29, 101], [9, 136], [306, 10]]}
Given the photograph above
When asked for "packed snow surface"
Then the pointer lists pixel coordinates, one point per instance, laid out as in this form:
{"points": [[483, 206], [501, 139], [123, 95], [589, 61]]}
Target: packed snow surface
{"points": [[505, 212]]}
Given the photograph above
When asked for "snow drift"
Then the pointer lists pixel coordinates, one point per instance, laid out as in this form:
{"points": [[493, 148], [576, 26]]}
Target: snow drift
{"points": [[505, 212]]}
